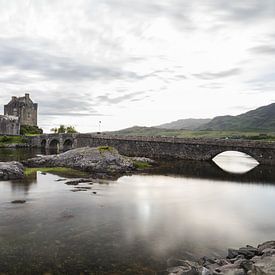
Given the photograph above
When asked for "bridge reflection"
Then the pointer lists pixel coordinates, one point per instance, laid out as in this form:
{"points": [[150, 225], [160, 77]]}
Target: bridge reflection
{"points": [[263, 174]]}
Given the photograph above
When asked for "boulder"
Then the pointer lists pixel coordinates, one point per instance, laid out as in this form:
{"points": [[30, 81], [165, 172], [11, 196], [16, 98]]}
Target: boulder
{"points": [[98, 160], [11, 170], [269, 244]]}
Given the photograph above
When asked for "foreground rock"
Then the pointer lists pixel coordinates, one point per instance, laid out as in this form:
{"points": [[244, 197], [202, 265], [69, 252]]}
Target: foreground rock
{"points": [[246, 260], [101, 161], [11, 170]]}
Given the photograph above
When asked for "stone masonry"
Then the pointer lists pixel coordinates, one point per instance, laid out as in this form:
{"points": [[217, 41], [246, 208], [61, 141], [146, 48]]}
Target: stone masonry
{"points": [[23, 108]]}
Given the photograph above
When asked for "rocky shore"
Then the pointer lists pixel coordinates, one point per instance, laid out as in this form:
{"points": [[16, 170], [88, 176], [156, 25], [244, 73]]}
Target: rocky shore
{"points": [[102, 162], [248, 260], [11, 170]]}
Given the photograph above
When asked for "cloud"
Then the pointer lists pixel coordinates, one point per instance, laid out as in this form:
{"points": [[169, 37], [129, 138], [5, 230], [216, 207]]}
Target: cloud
{"points": [[264, 49], [135, 96], [221, 74], [69, 114], [55, 67]]}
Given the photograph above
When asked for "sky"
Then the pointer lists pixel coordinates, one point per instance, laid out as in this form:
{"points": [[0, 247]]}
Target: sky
{"points": [[125, 62]]}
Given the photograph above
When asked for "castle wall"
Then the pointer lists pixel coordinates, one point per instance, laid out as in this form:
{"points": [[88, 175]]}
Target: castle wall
{"points": [[9, 125], [24, 109]]}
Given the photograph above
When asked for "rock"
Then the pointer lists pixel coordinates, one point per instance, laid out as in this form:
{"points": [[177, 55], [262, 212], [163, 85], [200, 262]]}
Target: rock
{"points": [[246, 265], [77, 181], [268, 252], [265, 265], [142, 159], [94, 160], [246, 260], [187, 268], [269, 244], [60, 179], [248, 252], [11, 170], [18, 201], [234, 271], [232, 253], [78, 190]]}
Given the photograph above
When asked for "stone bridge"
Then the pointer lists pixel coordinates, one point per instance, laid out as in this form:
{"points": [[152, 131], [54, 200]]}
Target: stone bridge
{"points": [[159, 147]]}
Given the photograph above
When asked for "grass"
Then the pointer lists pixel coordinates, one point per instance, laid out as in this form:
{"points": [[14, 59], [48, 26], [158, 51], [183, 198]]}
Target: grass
{"points": [[6, 140], [104, 148], [151, 131], [142, 165], [60, 171]]}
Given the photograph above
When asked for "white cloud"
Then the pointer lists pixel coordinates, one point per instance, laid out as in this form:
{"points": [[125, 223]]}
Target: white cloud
{"points": [[137, 62]]}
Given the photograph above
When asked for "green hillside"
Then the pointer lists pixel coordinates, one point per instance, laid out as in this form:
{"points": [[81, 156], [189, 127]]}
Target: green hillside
{"points": [[261, 119], [184, 124]]}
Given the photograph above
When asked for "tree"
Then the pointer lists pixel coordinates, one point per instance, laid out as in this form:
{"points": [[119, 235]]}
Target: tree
{"points": [[61, 129], [71, 130], [64, 129]]}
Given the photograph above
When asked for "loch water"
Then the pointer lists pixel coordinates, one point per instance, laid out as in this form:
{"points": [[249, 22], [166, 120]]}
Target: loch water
{"points": [[133, 225]]}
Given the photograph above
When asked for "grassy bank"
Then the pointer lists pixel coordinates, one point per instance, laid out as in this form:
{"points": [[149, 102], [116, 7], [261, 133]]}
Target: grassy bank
{"points": [[60, 171]]}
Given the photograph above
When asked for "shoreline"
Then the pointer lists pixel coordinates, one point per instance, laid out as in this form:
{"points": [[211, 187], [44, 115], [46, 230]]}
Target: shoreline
{"points": [[250, 260]]}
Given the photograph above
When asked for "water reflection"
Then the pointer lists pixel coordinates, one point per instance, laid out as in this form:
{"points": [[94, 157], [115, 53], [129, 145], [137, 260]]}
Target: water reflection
{"points": [[9, 154], [135, 224], [235, 162]]}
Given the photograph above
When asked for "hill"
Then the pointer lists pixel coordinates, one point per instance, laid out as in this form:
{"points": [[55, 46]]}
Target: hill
{"points": [[261, 119], [184, 124]]}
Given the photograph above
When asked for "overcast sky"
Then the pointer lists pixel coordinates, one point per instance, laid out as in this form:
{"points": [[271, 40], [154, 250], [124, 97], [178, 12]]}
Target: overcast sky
{"points": [[139, 62]]}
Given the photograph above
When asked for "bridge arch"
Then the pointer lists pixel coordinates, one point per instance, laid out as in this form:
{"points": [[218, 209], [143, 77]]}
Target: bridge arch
{"points": [[43, 143], [68, 144], [54, 145]]}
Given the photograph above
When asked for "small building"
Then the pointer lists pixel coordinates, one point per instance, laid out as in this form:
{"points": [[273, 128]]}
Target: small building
{"points": [[9, 125], [23, 108]]}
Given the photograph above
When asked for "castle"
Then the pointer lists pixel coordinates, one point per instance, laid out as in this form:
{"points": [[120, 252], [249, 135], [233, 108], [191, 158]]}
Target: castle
{"points": [[20, 111]]}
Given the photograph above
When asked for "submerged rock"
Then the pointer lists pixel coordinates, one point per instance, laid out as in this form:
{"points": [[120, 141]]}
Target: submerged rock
{"points": [[11, 170], [100, 160], [18, 201]]}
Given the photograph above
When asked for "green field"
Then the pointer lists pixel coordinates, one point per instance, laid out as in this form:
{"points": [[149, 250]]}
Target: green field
{"points": [[151, 131]]}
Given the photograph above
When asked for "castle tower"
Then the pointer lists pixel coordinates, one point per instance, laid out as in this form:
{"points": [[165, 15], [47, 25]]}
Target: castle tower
{"points": [[23, 108]]}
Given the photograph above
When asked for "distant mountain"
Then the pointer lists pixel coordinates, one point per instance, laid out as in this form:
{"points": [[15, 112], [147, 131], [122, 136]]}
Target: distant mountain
{"points": [[141, 131], [260, 119], [256, 121], [185, 124]]}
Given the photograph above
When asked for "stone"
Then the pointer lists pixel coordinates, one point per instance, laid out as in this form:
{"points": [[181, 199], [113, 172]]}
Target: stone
{"points": [[248, 252], [23, 108], [77, 181], [266, 265], [234, 271], [11, 170], [94, 160], [268, 244], [185, 269], [268, 252], [18, 201], [232, 253]]}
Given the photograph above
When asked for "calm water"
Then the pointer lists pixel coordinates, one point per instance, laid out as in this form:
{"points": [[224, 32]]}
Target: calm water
{"points": [[135, 224]]}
